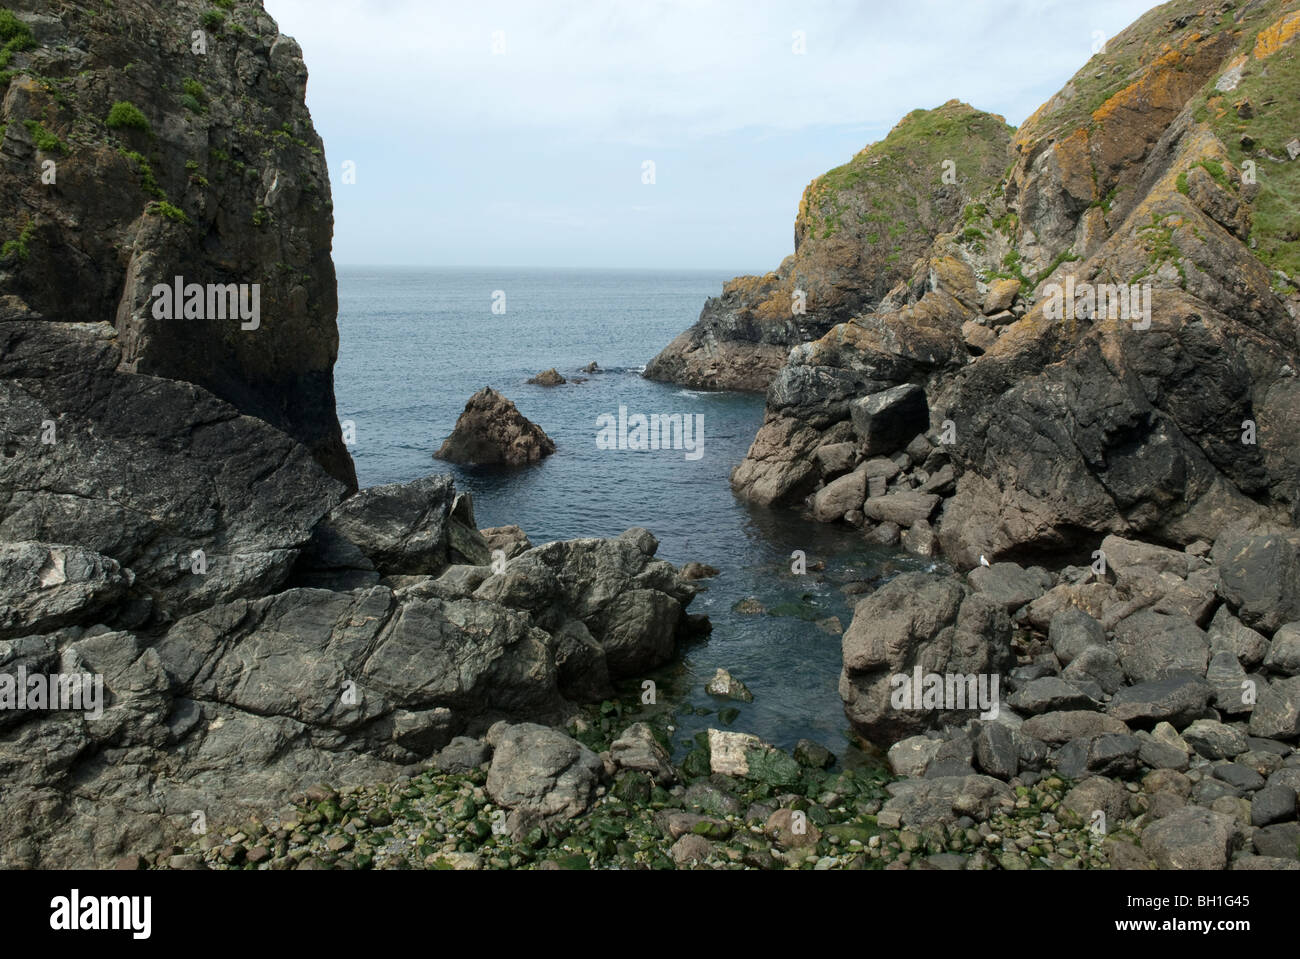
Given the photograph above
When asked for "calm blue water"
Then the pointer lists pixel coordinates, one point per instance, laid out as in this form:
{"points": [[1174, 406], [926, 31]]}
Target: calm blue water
{"points": [[416, 344]]}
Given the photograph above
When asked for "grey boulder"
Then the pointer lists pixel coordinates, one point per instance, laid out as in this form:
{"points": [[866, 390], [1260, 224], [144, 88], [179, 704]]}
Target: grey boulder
{"points": [[541, 775]]}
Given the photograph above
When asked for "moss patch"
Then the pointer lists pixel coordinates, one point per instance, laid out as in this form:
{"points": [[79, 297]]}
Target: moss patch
{"points": [[125, 115]]}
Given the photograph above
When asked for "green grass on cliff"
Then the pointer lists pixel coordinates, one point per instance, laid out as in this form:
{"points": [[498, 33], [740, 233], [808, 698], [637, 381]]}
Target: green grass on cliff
{"points": [[45, 141], [169, 210], [909, 161], [1110, 71], [147, 179], [1271, 108], [15, 35], [125, 115], [18, 247]]}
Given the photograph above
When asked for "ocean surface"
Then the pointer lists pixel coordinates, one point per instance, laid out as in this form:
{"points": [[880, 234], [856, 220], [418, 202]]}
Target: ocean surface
{"points": [[416, 344]]}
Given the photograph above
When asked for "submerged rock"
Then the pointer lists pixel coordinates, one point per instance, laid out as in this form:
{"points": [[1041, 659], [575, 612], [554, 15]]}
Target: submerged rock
{"points": [[492, 431], [727, 686]]}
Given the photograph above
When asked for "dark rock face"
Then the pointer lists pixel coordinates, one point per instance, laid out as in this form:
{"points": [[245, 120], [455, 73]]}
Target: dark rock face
{"points": [[201, 503], [228, 186], [491, 431]]}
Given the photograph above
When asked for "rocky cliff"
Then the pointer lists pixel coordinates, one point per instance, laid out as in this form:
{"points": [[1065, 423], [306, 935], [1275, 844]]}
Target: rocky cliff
{"points": [[1096, 372], [176, 511], [142, 142], [1160, 171], [858, 232]]}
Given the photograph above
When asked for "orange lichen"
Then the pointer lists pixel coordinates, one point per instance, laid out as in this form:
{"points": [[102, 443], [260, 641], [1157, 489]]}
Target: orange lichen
{"points": [[1074, 159], [1273, 38]]}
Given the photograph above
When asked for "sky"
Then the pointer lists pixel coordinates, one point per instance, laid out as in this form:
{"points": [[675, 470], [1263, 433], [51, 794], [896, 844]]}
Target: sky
{"points": [[519, 132]]}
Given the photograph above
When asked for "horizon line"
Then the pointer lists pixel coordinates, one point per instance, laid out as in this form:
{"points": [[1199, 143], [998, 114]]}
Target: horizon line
{"points": [[489, 266]]}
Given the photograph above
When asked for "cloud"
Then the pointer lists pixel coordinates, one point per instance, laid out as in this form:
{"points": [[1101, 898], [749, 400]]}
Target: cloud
{"points": [[669, 71], [533, 155]]}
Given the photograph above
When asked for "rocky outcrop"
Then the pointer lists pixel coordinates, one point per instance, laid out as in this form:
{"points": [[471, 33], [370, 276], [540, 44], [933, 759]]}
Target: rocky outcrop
{"points": [[202, 504], [859, 229], [234, 708], [617, 602], [1100, 347], [491, 431], [403, 529], [198, 165]]}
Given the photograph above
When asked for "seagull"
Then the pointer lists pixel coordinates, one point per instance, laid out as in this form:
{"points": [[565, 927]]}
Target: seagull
{"points": [[983, 561]]}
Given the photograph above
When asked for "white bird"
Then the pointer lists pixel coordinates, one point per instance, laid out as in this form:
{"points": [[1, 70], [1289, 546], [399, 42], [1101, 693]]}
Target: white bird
{"points": [[983, 561]]}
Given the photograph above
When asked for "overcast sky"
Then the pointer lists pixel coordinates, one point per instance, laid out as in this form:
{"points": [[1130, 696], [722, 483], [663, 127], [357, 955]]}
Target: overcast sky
{"points": [[516, 132]]}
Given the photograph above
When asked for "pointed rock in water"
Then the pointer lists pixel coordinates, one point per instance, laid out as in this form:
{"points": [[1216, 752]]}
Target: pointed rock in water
{"points": [[492, 431], [550, 377]]}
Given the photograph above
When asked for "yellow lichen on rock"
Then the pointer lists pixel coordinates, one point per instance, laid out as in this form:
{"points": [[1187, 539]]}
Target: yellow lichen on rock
{"points": [[1273, 38]]}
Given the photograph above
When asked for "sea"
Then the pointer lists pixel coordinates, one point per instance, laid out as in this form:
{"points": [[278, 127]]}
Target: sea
{"points": [[415, 344]]}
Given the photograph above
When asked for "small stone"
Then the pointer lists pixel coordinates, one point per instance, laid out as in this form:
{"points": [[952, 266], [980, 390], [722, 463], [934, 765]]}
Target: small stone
{"points": [[725, 685], [690, 849]]}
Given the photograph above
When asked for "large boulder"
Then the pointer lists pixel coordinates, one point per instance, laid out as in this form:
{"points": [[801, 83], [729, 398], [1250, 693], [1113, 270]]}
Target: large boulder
{"points": [[1179, 700], [925, 622], [403, 529], [884, 422], [1260, 578], [839, 497], [918, 803], [1192, 838], [1277, 711], [541, 775], [630, 603], [491, 431], [1154, 646]]}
